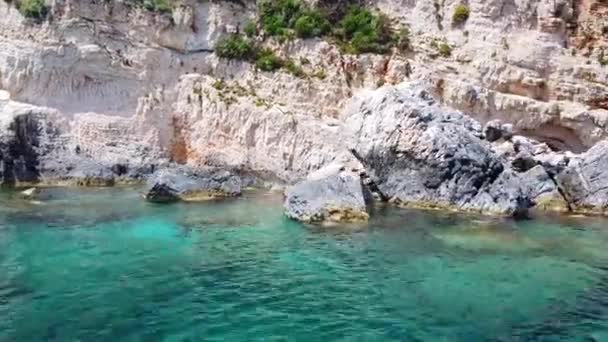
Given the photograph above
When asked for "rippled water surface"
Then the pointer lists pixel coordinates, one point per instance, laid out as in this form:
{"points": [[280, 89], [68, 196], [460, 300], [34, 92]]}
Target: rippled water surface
{"points": [[102, 265]]}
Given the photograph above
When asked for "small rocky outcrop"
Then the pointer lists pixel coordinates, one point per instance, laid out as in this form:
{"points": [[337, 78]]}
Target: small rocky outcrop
{"points": [[584, 182], [22, 132], [334, 198], [68, 169], [29, 193], [185, 184], [35, 148], [495, 130]]}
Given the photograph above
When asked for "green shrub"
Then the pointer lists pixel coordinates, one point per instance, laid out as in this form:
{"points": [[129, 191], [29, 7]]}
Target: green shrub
{"points": [[362, 42], [362, 31], [357, 19], [320, 74], [219, 84], [273, 25], [35, 9], [287, 18], [293, 68], [276, 16], [461, 14], [235, 47], [266, 60], [311, 24], [161, 6], [287, 35], [444, 49], [250, 29], [402, 39]]}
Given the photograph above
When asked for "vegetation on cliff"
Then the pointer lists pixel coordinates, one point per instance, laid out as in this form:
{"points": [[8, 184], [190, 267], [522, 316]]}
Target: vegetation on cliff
{"points": [[267, 60], [362, 31], [37, 9], [235, 47], [461, 14], [34, 9], [286, 18], [358, 30], [241, 47], [161, 6]]}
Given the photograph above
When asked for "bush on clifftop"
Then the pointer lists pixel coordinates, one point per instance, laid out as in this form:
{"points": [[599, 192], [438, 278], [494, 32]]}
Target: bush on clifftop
{"points": [[461, 14], [35, 9], [284, 17], [276, 16], [402, 39], [363, 31], [266, 60], [162, 6], [311, 24], [359, 30], [234, 47], [250, 29]]}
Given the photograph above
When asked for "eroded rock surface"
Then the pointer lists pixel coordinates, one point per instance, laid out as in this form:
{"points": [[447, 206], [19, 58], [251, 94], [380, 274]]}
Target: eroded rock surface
{"points": [[186, 184], [424, 155], [36, 148], [335, 198], [107, 92], [137, 86], [584, 182]]}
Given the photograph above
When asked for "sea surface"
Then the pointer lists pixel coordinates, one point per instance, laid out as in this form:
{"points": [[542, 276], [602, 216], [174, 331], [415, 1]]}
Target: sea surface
{"points": [[103, 265]]}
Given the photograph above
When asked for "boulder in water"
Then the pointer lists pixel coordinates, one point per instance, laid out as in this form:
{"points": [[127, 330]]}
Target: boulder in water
{"points": [[186, 184], [334, 198], [420, 154], [29, 193], [423, 155]]}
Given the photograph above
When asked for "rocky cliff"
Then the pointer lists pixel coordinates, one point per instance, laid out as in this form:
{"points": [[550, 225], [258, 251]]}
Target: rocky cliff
{"points": [[124, 89]]}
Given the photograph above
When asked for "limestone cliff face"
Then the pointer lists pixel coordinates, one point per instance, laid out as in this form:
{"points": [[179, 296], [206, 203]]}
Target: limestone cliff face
{"points": [[137, 88]]}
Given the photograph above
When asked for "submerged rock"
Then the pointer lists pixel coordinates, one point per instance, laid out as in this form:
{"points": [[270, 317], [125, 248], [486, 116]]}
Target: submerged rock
{"points": [[75, 170], [335, 198], [29, 193], [182, 183]]}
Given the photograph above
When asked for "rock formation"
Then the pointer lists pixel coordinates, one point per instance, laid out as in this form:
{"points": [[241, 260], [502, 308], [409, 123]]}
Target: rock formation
{"points": [[336, 198], [584, 182], [98, 93], [181, 183], [421, 154]]}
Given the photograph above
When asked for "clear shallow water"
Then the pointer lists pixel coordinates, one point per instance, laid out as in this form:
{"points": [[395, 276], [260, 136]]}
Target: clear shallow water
{"points": [[101, 265]]}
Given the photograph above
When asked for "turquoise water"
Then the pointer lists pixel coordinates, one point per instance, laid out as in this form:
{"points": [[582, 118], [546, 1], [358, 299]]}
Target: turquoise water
{"points": [[102, 265]]}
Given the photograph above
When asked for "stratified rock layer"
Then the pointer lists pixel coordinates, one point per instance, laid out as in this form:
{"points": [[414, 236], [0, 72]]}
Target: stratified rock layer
{"points": [[136, 86], [36, 148]]}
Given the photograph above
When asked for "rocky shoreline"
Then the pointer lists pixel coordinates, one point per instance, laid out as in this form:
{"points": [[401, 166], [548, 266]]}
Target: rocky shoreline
{"points": [[405, 148], [197, 97], [420, 154]]}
